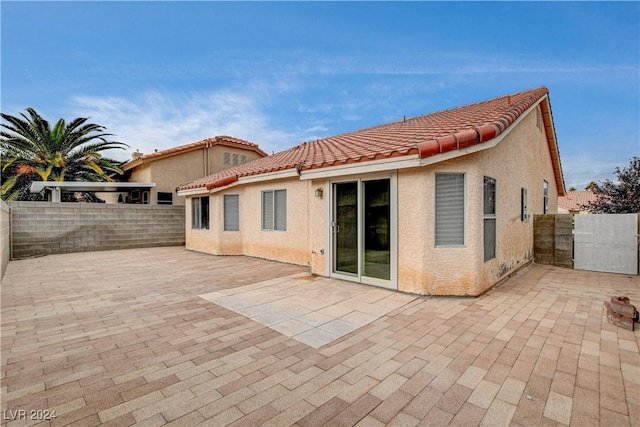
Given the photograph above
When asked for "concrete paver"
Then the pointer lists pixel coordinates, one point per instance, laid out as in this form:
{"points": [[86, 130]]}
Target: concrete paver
{"points": [[167, 336]]}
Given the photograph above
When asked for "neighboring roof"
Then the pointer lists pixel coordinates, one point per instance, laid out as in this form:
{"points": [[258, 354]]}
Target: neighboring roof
{"points": [[574, 200], [425, 136], [224, 140]]}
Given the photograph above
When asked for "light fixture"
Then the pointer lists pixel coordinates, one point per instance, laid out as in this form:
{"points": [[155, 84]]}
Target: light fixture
{"points": [[319, 192]]}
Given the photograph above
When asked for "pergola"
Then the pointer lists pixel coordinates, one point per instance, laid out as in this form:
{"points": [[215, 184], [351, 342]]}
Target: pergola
{"points": [[57, 188]]}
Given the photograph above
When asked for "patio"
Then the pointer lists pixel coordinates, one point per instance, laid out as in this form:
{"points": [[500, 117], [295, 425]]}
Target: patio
{"points": [[164, 336]]}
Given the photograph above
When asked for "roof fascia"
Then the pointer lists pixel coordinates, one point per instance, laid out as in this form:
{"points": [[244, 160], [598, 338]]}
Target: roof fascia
{"points": [[478, 147], [139, 161], [269, 176], [550, 133], [380, 165], [240, 146], [193, 192]]}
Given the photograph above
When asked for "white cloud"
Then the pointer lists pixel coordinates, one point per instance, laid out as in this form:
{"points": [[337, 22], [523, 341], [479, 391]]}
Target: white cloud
{"points": [[160, 120]]}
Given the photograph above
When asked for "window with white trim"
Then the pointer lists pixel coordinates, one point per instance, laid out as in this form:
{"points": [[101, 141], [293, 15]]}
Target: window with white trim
{"points": [[450, 208], [200, 213], [489, 218], [545, 191], [274, 210], [231, 212]]}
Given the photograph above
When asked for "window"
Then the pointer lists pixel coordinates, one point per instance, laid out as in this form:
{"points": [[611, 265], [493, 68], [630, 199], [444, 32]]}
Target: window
{"points": [[274, 210], [524, 211], [545, 190], [165, 198], [200, 213], [449, 209], [231, 212], [235, 159], [489, 218], [227, 158], [145, 197], [243, 159]]}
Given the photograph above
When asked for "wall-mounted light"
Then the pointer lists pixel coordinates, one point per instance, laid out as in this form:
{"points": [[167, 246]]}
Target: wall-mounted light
{"points": [[319, 191]]}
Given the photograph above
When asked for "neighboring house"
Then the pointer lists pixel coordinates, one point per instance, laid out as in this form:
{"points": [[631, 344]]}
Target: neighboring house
{"points": [[436, 204], [572, 202], [172, 167]]}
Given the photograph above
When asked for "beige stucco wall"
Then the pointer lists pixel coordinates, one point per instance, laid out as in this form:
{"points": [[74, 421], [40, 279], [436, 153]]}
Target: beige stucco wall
{"points": [[216, 157], [521, 159], [290, 246], [170, 172]]}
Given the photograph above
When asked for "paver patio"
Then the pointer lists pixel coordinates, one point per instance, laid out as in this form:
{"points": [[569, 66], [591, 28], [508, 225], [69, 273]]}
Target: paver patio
{"points": [[157, 336]]}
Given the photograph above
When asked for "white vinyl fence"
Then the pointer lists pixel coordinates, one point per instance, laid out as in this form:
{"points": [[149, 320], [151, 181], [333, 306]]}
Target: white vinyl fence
{"points": [[607, 243]]}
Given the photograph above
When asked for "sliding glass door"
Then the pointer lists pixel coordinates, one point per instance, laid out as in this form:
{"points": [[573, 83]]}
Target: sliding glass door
{"points": [[377, 221], [346, 227], [363, 230]]}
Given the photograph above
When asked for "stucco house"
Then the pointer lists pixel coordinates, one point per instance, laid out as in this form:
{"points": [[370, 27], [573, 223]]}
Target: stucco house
{"points": [[572, 201], [174, 166], [436, 204]]}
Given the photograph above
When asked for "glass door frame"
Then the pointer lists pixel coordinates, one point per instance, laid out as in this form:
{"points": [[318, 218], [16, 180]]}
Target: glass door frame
{"points": [[392, 283]]}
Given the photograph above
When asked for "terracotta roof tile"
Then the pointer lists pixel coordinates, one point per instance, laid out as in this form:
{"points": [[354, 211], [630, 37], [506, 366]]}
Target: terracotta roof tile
{"points": [[425, 135], [229, 141], [574, 200]]}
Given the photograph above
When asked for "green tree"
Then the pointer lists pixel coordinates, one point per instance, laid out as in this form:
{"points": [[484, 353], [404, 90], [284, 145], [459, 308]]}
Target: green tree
{"points": [[33, 151], [592, 186], [619, 197]]}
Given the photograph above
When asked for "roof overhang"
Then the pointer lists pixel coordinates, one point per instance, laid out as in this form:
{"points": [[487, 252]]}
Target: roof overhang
{"points": [[485, 138], [233, 181], [57, 188]]}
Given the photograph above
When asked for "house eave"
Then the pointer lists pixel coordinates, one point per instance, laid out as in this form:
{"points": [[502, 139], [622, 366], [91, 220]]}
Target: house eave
{"points": [[361, 168]]}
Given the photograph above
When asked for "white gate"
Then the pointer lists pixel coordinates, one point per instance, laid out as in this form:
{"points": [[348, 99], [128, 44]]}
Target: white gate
{"points": [[606, 242]]}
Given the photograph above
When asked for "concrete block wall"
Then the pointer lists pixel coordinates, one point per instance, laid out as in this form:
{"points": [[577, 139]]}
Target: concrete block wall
{"points": [[42, 228], [5, 236], [543, 239], [553, 240]]}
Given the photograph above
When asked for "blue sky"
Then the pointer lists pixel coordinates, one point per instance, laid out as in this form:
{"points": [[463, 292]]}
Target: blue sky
{"points": [[161, 74]]}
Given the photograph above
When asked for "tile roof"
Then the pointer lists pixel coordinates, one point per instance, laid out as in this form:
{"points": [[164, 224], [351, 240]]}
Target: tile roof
{"points": [[225, 140], [574, 200], [425, 135]]}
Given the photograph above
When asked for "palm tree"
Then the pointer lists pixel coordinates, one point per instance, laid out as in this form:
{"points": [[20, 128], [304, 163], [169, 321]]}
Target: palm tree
{"points": [[33, 151]]}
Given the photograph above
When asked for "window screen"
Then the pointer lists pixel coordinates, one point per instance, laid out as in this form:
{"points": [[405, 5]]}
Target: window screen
{"points": [[274, 210], [449, 209], [267, 210], [231, 212], [280, 210]]}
